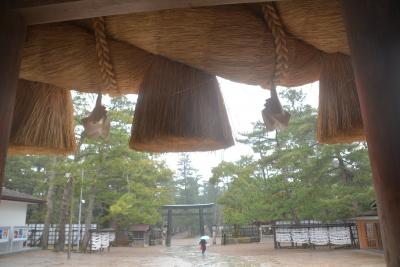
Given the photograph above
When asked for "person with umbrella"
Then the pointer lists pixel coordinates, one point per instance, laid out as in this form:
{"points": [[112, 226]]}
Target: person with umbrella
{"points": [[203, 243]]}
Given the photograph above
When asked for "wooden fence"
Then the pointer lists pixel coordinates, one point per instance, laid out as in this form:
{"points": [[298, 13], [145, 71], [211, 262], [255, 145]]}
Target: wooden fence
{"points": [[240, 234], [312, 235], [35, 232]]}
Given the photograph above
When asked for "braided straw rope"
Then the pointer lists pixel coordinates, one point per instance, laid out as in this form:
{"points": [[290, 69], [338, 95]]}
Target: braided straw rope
{"points": [[272, 18], [103, 54]]}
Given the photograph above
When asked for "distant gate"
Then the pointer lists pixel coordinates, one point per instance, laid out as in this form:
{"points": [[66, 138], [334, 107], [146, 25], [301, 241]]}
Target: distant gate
{"points": [[169, 209]]}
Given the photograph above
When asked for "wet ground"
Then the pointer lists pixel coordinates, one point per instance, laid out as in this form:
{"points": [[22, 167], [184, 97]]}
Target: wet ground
{"points": [[190, 255], [186, 253]]}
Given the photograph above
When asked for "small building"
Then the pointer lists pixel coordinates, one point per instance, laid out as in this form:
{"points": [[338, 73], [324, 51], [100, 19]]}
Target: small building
{"points": [[139, 235], [13, 229], [369, 233]]}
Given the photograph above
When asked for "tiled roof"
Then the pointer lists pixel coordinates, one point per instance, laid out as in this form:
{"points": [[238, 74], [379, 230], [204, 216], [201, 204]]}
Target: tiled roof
{"points": [[12, 195], [140, 228], [367, 218]]}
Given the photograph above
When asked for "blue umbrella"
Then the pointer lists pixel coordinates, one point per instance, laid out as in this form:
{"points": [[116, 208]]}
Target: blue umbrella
{"points": [[204, 237]]}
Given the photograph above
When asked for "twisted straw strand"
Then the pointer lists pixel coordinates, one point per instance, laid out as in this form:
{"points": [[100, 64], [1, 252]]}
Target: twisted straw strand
{"points": [[103, 54], [272, 18]]}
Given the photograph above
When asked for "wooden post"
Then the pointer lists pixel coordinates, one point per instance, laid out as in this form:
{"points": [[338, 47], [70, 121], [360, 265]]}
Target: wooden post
{"points": [[12, 35], [169, 228], [274, 232], [214, 234], [353, 243], [374, 39], [71, 217], [201, 221]]}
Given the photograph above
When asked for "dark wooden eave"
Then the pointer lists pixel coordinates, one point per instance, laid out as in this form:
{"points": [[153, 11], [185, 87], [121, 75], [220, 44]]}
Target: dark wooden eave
{"points": [[46, 11], [12, 195]]}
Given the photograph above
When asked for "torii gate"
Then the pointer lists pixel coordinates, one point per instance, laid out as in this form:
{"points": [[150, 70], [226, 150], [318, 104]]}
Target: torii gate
{"points": [[169, 209]]}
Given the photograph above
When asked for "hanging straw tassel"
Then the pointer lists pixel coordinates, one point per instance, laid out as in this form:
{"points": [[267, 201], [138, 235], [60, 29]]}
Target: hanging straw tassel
{"points": [[43, 121], [339, 114], [179, 109]]}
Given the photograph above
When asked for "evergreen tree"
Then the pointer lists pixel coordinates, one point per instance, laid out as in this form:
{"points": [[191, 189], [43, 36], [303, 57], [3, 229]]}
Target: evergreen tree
{"points": [[294, 177], [118, 182], [186, 181], [187, 192]]}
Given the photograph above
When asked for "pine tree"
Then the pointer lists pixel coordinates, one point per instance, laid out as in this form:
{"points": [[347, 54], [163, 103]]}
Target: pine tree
{"points": [[187, 181], [295, 178]]}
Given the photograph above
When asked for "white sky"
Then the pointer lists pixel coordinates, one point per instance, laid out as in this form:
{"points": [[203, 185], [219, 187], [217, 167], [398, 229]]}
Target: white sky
{"points": [[244, 104]]}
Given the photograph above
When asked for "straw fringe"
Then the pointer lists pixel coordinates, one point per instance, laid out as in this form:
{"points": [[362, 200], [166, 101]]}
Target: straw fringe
{"points": [[43, 120], [232, 42], [339, 114], [65, 55], [179, 109], [317, 22]]}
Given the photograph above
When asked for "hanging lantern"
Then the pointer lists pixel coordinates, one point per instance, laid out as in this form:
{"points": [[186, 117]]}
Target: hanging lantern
{"points": [[179, 108]]}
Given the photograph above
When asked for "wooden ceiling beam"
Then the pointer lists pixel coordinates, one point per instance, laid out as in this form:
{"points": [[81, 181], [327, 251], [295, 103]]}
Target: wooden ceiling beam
{"points": [[46, 11]]}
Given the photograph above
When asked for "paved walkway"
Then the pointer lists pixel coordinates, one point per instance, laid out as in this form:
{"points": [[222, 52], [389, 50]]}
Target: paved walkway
{"points": [[190, 255], [186, 253]]}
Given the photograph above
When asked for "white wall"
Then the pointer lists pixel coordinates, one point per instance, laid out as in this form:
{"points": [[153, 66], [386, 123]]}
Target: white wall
{"points": [[12, 213]]}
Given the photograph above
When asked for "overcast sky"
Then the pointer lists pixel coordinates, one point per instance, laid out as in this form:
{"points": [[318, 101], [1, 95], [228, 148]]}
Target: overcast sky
{"points": [[244, 104]]}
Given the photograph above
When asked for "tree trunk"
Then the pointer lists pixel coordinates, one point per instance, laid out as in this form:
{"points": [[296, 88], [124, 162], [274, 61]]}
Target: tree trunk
{"points": [[295, 218], [186, 183], [293, 211], [50, 206], [89, 217], [92, 198], [64, 214], [345, 173]]}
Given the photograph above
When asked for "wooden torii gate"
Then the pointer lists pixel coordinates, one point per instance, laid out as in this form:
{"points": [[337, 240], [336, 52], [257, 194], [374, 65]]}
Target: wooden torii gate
{"points": [[169, 209]]}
